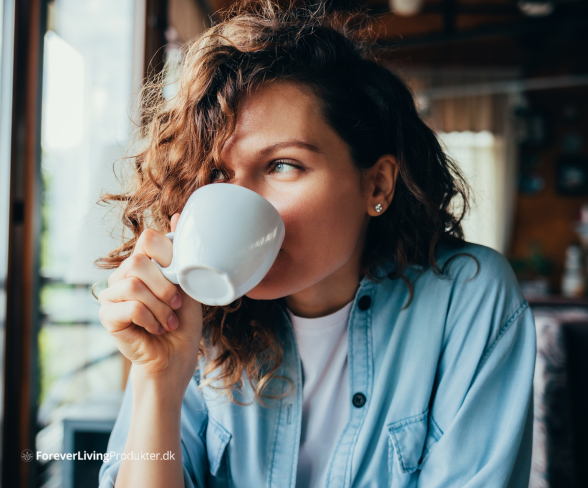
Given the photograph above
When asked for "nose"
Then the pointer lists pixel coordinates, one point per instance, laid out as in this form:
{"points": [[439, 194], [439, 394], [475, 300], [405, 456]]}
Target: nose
{"points": [[251, 177], [249, 182], [257, 187]]}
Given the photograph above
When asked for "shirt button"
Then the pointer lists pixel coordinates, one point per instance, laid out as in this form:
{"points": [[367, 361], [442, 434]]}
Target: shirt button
{"points": [[359, 399], [364, 302]]}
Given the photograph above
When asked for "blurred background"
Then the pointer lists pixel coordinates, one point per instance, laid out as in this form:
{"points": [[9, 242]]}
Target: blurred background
{"points": [[504, 83]]}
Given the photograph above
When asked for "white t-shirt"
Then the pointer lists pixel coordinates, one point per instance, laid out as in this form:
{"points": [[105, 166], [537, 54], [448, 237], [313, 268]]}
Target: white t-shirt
{"points": [[322, 343]]}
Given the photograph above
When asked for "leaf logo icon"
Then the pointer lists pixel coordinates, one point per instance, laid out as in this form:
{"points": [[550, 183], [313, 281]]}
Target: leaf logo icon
{"points": [[27, 455]]}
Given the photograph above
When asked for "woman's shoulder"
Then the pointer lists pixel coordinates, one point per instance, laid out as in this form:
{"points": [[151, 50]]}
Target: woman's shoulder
{"points": [[469, 260], [479, 286], [476, 273], [466, 267], [475, 285], [460, 263]]}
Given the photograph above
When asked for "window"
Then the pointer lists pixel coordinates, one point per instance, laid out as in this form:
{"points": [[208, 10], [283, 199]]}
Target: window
{"points": [[6, 46], [476, 155], [85, 128]]}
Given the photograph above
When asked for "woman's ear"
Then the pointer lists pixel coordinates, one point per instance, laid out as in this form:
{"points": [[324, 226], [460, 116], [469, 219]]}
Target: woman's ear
{"points": [[381, 182]]}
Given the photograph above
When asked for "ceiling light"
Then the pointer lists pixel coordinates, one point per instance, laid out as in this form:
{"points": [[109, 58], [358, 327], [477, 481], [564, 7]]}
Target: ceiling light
{"points": [[536, 8], [406, 7]]}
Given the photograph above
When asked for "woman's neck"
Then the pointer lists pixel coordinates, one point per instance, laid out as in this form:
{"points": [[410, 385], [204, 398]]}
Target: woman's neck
{"points": [[328, 295]]}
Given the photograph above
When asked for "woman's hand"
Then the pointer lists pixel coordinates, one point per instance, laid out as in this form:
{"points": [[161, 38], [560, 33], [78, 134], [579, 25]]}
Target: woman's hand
{"points": [[138, 308]]}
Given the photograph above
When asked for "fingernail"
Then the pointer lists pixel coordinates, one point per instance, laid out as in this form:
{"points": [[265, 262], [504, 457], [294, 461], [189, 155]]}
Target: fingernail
{"points": [[172, 322], [160, 330], [176, 301]]}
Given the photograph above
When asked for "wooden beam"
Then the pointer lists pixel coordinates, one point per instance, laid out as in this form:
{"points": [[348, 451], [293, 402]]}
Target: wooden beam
{"points": [[449, 16], [155, 26], [531, 26], [22, 284]]}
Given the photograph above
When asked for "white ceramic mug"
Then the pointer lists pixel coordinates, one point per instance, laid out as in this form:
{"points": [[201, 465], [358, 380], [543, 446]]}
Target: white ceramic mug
{"points": [[226, 240]]}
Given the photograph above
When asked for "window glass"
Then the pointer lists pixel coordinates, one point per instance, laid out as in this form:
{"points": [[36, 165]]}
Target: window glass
{"points": [[85, 129], [477, 154], [6, 46]]}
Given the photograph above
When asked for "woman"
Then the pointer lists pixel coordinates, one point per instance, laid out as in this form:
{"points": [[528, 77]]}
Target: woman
{"points": [[381, 349]]}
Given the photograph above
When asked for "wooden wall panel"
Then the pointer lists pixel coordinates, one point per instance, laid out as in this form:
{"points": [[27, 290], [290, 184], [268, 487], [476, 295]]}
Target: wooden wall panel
{"points": [[548, 217]]}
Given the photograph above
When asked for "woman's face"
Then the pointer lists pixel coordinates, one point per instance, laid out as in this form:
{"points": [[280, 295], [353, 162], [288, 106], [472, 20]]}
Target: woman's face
{"points": [[284, 150]]}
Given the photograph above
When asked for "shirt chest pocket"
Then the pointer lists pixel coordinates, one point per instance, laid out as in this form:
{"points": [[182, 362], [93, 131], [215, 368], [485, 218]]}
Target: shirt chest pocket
{"points": [[409, 443], [217, 440]]}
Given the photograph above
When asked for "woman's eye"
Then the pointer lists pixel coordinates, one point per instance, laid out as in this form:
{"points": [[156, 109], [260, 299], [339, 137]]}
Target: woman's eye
{"points": [[216, 175], [282, 166]]}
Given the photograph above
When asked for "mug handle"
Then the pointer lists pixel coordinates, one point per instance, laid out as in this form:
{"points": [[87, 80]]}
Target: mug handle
{"points": [[170, 271]]}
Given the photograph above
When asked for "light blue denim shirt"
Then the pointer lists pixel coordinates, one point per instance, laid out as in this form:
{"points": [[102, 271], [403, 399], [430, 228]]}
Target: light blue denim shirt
{"points": [[440, 393]]}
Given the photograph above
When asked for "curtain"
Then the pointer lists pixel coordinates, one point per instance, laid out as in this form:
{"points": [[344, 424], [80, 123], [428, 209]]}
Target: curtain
{"points": [[472, 115]]}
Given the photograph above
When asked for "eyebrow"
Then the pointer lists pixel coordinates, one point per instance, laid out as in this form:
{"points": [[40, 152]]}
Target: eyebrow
{"points": [[291, 143]]}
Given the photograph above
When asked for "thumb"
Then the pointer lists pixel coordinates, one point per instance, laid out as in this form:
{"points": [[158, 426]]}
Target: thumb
{"points": [[190, 328], [174, 221]]}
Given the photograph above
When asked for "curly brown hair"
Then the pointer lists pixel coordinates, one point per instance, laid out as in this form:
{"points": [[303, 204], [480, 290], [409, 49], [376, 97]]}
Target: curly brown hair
{"points": [[370, 107]]}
